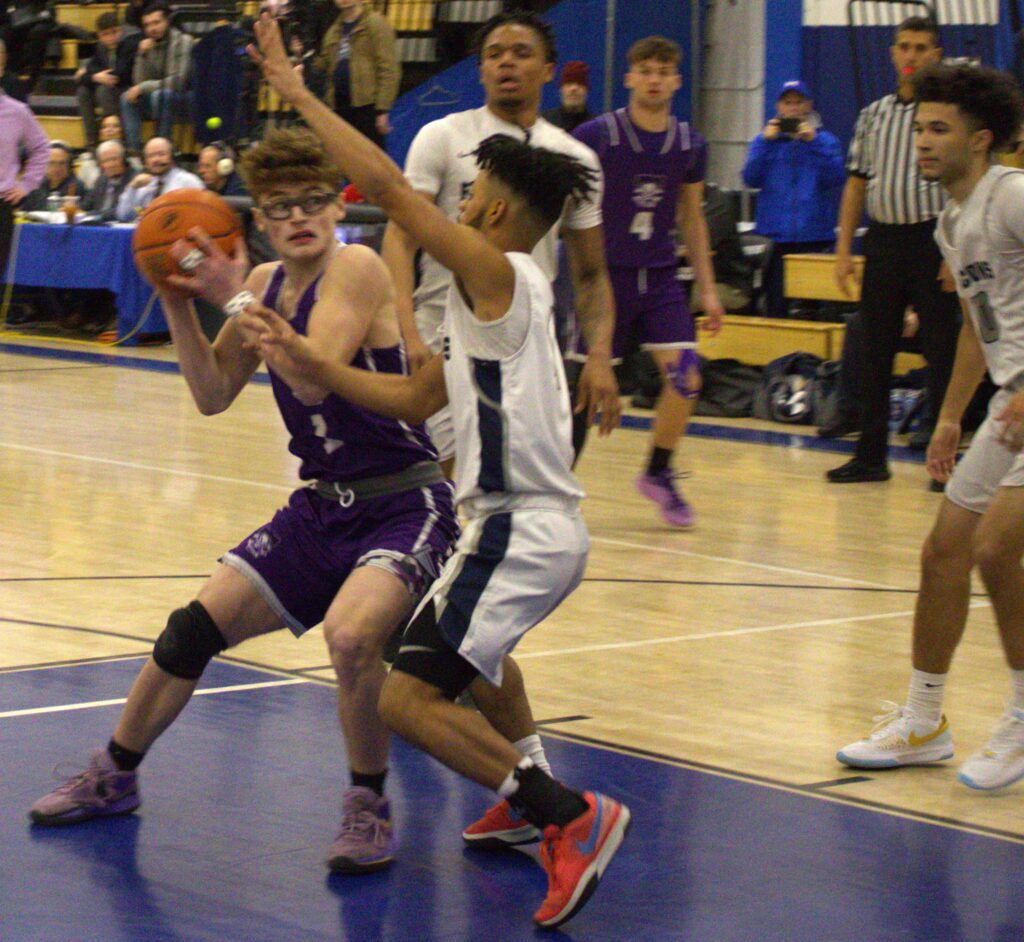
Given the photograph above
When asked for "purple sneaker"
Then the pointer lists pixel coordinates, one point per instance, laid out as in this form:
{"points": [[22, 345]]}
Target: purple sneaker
{"points": [[661, 488], [366, 841], [98, 792]]}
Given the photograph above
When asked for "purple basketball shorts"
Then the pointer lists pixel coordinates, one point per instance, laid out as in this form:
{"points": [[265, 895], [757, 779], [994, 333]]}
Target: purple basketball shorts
{"points": [[300, 559]]}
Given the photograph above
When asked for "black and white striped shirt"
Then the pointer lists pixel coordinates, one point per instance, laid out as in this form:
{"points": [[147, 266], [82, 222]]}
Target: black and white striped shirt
{"points": [[882, 151]]}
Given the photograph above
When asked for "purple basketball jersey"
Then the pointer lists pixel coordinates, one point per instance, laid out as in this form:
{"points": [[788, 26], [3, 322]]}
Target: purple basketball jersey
{"points": [[643, 172], [336, 440]]}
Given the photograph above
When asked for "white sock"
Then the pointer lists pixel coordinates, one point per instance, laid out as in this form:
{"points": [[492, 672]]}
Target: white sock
{"points": [[531, 746], [925, 695], [1018, 690], [511, 784]]}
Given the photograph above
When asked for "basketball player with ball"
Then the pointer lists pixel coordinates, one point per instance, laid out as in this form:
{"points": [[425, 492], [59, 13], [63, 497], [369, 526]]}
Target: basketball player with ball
{"points": [[356, 546]]}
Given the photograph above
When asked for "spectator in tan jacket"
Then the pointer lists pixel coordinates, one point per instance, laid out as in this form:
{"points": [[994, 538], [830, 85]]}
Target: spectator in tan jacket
{"points": [[358, 57]]}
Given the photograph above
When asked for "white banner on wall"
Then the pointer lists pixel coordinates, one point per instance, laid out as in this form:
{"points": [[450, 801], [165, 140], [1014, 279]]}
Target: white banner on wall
{"points": [[951, 12]]}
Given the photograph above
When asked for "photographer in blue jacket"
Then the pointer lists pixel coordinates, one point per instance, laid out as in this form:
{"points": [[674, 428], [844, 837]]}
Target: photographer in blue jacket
{"points": [[798, 167]]}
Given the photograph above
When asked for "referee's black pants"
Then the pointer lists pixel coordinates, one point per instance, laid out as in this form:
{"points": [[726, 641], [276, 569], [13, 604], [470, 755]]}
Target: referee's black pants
{"points": [[900, 269]]}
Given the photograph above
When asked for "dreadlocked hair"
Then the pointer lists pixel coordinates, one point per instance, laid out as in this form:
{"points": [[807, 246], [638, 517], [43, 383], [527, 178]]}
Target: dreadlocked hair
{"points": [[543, 178]]}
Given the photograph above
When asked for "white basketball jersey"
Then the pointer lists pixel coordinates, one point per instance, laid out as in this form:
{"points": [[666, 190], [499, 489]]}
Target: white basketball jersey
{"points": [[441, 162], [509, 399], [982, 240]]}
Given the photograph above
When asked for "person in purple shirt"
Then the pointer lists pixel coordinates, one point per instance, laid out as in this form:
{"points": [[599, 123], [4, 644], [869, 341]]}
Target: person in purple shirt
{"points": [[19, 132], [355, 548], [654, 169]]}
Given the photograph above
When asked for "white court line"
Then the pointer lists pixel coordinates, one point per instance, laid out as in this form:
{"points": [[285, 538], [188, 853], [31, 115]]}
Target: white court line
{"points": [[594, 539], [740, 562], [729, 633], [147, 467], [103, 703]]}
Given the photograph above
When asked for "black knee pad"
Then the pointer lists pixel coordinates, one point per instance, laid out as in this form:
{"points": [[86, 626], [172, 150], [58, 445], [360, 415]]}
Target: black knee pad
{"points": [[188, 643], [425, 655]]}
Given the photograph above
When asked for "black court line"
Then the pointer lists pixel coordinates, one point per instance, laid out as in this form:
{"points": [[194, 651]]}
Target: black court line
{"points": [[832, 783], [106, 633], [762, 585], [73, 662], [788, 786], [53, 369], [562, 719], [95, 579]]}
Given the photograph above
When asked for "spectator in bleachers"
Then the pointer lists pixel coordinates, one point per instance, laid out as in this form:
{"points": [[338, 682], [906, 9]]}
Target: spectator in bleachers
{"points": [[110, 128], [160, 74], [573, 87], [133, 12], [217, 170], [115, 174], [161, 175], [58, 180], [103, 76], [24, 151], [798, 167], [26, 25], [359, 59]]}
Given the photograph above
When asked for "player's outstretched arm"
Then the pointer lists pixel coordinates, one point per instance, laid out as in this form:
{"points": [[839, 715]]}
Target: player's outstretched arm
{"points": [[409, 398], [486, 275]]}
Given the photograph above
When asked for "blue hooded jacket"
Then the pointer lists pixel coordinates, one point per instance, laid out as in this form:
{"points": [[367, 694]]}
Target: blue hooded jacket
{"points": [[801, 186]]}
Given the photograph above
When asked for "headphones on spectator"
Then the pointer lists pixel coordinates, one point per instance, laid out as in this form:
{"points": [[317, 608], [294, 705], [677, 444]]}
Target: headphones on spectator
{"points": [[226, 161]]}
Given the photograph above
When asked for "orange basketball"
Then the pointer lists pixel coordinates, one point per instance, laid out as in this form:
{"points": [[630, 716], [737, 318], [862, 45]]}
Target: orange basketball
{"points": [[169, 217]]}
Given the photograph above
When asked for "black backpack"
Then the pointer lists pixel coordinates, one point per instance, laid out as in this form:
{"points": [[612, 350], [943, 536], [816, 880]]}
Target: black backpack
{"points": [[786, 391]]}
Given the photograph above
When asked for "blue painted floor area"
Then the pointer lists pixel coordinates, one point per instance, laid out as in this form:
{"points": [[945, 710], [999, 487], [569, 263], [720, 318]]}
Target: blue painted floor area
{"points": [[241, 799]]}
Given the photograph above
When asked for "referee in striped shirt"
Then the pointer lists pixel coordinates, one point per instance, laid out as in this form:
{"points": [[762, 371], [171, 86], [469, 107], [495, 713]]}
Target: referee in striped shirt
{"points": [[902, 260]]}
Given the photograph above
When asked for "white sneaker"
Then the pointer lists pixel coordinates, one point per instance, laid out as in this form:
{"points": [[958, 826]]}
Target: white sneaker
{"points": [[1001, 762], [900, 737]]}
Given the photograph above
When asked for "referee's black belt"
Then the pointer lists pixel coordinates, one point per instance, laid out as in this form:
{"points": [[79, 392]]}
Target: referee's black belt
{"points": [[346, 493]]}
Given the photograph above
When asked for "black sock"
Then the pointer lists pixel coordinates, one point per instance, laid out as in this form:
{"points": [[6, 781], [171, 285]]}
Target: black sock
{"points": [[124, 759], [660, 458], [544, 801], [375, 781]]}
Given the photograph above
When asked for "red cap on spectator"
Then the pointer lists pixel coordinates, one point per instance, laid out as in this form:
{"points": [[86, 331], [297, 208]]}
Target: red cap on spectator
{"points": [[352, 195], [576, 72]]}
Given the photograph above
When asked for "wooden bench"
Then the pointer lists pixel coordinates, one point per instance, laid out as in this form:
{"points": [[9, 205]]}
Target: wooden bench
{"points": [[810, 277], [759, 340]]}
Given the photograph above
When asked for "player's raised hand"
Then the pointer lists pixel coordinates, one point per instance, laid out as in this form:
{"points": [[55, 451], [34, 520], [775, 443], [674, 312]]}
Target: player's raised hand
{"points": [[272, 58], [942, 450], [213, 276]]}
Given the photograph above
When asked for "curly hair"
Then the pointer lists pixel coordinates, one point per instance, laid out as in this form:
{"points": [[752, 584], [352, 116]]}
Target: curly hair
{"points": [[285, 157], [989, 99], [525, 18], [543, 178]]}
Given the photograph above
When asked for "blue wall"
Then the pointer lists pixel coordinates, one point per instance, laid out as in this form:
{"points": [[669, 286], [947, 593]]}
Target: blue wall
{"points": [[782, 52], [827, 59], [580, 33]]}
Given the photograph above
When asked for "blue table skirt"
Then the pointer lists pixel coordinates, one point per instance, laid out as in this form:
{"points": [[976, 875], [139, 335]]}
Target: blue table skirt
{"points": [[87, 257]]}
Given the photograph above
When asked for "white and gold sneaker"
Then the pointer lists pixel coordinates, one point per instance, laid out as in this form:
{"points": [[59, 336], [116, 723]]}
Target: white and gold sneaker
{"points": [[900, 737], [1001, 762]]}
